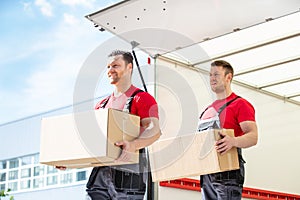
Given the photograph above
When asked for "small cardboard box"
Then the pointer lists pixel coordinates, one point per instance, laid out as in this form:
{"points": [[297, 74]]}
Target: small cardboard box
{"points": [[87, 139], [190, 155]]}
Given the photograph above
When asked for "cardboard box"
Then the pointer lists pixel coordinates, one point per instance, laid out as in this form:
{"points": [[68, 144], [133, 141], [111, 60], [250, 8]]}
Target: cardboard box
{"points": [[87, 139], [190, 155]]}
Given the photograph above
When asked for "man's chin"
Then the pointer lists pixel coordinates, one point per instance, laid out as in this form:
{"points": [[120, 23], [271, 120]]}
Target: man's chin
{"points": [[217, 90], [113, 82]]}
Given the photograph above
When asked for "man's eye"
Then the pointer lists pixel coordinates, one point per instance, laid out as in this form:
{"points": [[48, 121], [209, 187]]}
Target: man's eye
{"points": [[111, 67]]}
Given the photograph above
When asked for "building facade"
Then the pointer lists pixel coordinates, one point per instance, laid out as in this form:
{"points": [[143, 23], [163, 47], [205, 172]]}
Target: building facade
{"points": [[20, 170]]}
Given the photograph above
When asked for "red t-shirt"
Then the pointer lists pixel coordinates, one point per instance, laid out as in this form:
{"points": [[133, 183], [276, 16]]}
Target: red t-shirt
{"points": [[143, 104], [236, 112]]}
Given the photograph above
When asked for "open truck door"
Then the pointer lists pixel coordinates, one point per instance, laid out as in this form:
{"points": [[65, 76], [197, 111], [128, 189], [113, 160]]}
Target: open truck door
{"points": [[189, 33]]}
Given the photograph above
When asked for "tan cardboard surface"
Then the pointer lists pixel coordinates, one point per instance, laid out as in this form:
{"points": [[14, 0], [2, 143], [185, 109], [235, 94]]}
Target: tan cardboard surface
{"points": [[87, 139], [190, 155]]}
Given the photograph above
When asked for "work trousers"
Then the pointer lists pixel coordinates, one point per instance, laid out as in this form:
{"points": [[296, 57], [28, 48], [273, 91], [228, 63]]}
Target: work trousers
{"points": [[100, 194], [223, 185], [106, 183]]}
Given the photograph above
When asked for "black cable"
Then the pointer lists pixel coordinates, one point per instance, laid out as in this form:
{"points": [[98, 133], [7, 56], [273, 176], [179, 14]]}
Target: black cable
{"points": [[140, 72], [150, 188]]}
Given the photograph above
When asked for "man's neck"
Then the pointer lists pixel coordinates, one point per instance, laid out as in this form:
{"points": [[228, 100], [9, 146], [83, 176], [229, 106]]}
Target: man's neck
{"points": [[122, 88], [224, 95]]}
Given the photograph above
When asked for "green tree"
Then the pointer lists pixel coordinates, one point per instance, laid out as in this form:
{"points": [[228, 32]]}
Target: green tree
{"points": [[4, 193]]}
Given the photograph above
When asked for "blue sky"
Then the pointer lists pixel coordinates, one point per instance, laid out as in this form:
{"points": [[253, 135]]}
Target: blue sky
{"points": [[43, 44]]}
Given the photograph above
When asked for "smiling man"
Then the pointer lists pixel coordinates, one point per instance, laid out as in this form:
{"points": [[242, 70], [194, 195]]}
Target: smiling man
{"points": [[229, 111], [126, 181]]}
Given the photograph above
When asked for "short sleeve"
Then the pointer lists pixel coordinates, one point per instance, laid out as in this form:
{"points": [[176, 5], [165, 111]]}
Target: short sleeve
{"points": [[100, 103], [144, 105], [246, 111]]}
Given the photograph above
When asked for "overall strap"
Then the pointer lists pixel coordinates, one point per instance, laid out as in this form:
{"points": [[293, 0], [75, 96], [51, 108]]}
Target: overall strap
{"points": [[203, 112], [221, 108], [127, 106], [226, 104], [104, 102]]}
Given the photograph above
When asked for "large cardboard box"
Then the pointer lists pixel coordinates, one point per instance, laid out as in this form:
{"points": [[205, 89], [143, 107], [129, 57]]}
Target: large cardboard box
{"points": [[190, 155], [87, 139]]}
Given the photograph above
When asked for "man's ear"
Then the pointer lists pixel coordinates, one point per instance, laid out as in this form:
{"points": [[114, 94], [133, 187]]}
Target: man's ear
{"points": [[229, 76], [129, 65]]}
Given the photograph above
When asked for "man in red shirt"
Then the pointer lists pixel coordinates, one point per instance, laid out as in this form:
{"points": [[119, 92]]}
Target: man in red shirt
{"points": [[126, 180], [229, 111]]}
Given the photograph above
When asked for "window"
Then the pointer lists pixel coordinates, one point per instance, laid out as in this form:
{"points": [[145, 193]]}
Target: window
{"points": [[52, 180], [12, 175], [26, 160], [3, 176], [25, 184], [36, 159], [13, 186], [51, 170], [3, 164], [65, 178], [81, 176], [39, 170], [38, 182], [25, 173], [13, 163], [2, 186]]}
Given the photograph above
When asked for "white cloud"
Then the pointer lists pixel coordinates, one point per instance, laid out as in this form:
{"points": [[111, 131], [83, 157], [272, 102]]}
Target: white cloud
{"points": [[57, 54], [24, 51], [87, 3], [52, 85], [27, 7], [70, 19], [45, 6]]}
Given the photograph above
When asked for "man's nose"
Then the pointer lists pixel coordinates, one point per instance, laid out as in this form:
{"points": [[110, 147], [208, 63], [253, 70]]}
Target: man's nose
{"points": [[110, 69]]}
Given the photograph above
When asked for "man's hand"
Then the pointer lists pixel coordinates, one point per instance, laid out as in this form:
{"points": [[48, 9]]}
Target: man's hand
{"points": [[61, 167], [128, 149], [225, 144], [151, 132]]}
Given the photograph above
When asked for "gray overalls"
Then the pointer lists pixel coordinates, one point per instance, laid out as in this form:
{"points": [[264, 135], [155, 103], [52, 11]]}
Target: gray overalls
{"points": [[223, 185]]}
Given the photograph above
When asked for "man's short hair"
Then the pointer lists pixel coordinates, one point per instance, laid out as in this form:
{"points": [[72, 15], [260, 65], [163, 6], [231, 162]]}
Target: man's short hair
{"points": [[126, 55], [226, 65]]}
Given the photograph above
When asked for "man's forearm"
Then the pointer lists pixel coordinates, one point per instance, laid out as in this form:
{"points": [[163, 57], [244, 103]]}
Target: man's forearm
{"points": [[150, 134], [250, 137], [247, 140], [145, 140]]}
